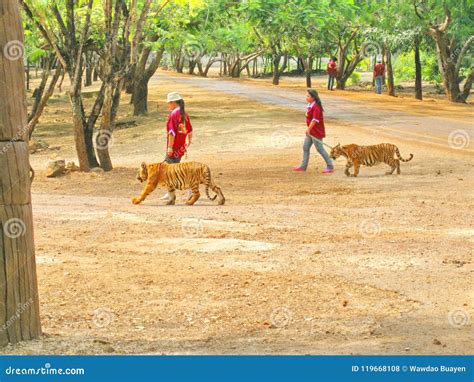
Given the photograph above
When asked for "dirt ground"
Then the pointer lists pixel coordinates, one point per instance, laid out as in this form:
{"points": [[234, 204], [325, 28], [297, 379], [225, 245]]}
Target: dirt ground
{"points": [[294, 263]]}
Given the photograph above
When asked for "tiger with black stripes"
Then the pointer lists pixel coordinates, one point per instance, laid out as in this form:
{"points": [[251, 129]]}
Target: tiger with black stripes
{"points": [[179, 176], [369, 156]]}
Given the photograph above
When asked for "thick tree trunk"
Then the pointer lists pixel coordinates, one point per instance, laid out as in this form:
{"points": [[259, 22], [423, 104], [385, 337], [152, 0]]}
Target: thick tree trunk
{"points": [[140, 96], [390, 82], [19, 303], [104, 137], [418, 76], [276, 68]]}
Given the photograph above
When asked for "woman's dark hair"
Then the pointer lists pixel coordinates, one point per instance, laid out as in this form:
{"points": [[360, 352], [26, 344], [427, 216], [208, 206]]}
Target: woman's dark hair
{"points": [[180, 103], [313, 93], [334, 59]]}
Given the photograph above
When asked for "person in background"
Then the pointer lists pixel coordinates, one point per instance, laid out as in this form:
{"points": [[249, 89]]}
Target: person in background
{"points": [[332, 71], [379, 71], [179, 131], [315, 132]]}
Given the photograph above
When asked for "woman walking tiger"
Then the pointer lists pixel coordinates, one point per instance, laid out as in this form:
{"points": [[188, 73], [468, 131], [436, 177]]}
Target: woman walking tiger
{"points": [[179, 132], [315, 132]]}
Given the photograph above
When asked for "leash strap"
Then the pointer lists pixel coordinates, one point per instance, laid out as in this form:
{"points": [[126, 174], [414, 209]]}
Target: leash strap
{"points": [[320, 141]]}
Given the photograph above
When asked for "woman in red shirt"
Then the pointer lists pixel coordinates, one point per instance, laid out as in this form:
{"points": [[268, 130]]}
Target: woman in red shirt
{"points": [[178, 129], [315, 132]]}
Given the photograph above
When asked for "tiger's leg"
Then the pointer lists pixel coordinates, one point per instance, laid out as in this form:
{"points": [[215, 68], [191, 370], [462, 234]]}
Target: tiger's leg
{"points": [[195, 196], [356, 168], [172, 197], [219, 193], [397, 163], [348, 166], [149, 188], [392, 168]]}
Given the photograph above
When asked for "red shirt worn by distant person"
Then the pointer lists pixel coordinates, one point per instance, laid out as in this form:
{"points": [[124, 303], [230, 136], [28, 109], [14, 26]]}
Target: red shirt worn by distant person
{"points": [[332, 68], [172, 127], [379, 70], [315, 113]]}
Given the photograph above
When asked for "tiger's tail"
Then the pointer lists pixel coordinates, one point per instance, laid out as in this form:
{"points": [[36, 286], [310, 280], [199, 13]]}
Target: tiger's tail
{"points": [[400, 157], [208, 181]]}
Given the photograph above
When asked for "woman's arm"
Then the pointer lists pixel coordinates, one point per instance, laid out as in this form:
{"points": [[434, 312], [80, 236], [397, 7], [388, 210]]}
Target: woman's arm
{"points": [[169, 150]]}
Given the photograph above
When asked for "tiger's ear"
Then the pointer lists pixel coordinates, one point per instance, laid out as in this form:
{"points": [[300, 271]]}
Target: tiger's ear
{"points": [[144, 165]]}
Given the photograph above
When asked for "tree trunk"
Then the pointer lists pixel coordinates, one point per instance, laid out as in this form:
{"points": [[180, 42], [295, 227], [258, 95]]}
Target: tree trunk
{"points": [[37, 111], [276, 68], [140, 96], [19, 303], [104, 137], [418, 77], [89, 68], [390, 82]]}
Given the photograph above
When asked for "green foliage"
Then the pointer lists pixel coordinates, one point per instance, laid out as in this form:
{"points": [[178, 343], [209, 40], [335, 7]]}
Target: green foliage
{"points": [[354, 79], [404, 67]]}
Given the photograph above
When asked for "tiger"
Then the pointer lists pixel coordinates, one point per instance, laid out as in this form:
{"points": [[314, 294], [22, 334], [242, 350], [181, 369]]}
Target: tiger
{"points": [[179, 176], [369, 156]]}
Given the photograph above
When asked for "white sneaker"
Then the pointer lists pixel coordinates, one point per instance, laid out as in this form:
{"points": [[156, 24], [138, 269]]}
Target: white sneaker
{"points": [[165, 197]]}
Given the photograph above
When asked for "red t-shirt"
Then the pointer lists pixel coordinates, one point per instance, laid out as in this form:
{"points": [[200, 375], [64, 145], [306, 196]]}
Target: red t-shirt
{"points": [[379, 70], [332, 68], [172, 127], [315, 113]]}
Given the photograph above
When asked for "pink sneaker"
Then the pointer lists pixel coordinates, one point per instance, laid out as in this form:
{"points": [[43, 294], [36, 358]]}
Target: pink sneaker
{"points": [[328, 171], [299, 169]]}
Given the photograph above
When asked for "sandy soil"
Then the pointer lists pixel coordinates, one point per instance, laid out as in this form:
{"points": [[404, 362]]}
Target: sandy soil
{"points": [[294, 263]]}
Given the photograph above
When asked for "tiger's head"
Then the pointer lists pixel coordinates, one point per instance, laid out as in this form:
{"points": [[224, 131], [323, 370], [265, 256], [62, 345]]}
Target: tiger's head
{"points": [[337, 151], [142, 174]]}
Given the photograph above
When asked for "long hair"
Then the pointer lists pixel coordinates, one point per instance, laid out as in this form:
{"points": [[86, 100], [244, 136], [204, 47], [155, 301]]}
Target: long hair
{"points": [[180, 103], [313, 93]]}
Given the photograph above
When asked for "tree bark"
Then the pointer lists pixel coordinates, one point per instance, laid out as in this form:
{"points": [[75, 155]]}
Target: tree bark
{"points": [[418, 75], [37, 111], [390, 82], [19, 302]]}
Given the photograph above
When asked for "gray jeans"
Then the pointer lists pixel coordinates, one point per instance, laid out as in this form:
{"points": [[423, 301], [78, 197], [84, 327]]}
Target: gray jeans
{"points": [[378, 84], [172, 159], [308, 142]]}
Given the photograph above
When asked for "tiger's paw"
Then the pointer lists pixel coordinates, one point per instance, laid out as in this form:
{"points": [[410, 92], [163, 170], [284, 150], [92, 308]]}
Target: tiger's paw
{"points": [[347, 173], [136, 201], [170, 202]]}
